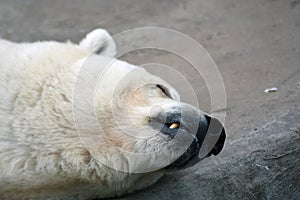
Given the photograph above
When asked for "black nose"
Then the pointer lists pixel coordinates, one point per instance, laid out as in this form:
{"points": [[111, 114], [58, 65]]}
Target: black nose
{"points": [[219, 145], [215, 129]]}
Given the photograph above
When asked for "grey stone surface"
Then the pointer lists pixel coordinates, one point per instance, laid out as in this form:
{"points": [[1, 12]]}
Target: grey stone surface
{"points": [[256, 45]]}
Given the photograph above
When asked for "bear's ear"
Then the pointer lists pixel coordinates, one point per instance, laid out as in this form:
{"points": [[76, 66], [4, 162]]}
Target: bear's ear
{"points": [[99, 41]]}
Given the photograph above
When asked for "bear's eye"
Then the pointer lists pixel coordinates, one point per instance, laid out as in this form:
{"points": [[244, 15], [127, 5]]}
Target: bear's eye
{"points": [[164, 90], [174, 125]]}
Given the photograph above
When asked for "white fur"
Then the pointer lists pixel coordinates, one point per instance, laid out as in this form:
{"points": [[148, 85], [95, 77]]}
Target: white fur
{"points": [[41, 154]]}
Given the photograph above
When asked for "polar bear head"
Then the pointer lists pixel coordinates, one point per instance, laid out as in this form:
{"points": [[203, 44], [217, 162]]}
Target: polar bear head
{"points": [[141, 124]]}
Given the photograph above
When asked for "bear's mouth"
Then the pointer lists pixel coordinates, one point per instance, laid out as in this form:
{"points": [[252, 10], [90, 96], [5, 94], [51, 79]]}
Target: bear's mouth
{"points": [[188, 158]]}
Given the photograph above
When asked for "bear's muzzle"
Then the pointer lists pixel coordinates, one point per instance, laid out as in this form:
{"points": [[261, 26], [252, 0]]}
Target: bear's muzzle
{"points": [[209, 140]]}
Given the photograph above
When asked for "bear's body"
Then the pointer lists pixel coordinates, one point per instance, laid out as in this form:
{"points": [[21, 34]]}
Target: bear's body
{"points": [[41, 154]]}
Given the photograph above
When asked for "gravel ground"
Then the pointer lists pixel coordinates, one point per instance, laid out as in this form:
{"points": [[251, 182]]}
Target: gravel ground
{"points": [[256, 45]]}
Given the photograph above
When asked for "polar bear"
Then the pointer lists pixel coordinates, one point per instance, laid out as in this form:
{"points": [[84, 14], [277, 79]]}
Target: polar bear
{"points": [[57, 142]]}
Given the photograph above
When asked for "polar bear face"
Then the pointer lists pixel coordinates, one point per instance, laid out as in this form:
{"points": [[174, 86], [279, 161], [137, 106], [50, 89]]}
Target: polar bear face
{"points": [[168, 134], [144, 124]]}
